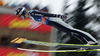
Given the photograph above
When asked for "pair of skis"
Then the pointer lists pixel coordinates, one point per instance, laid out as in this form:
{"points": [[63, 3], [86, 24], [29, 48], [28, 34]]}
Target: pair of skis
{"points": [[58, 50], [91, 47]]}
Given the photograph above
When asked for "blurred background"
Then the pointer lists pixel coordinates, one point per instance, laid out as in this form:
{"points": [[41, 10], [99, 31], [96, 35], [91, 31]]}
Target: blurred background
{"points": [[81, 14]]}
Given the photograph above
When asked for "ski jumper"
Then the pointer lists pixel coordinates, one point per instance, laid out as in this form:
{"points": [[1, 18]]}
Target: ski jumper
{"points": [[55, 21]]}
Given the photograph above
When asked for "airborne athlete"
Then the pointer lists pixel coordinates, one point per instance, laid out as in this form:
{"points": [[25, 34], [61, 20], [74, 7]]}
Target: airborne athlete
{"points": [[57, 22]]}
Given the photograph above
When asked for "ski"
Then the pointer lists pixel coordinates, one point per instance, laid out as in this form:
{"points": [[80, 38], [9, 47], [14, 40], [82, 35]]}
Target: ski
{"points": [[58, 50], [20, 40], [61, 44]]}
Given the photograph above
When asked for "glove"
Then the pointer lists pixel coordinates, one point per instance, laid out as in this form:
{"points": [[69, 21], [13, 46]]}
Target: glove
{"points": [[63, 16]]}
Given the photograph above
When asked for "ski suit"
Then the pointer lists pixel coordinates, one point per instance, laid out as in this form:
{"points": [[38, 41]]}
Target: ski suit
{"points": [[52, 20]]}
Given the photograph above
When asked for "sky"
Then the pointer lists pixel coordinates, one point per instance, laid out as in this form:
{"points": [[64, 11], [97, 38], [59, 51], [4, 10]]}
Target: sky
{"points": [[55, 6]]}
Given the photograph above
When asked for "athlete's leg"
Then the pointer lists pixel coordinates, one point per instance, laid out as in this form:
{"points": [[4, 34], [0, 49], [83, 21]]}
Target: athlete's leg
{"points": [[86, 36], [61, 25]]}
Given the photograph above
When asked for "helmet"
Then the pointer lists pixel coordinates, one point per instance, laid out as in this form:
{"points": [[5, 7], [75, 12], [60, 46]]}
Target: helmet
{"points": [[21, 12]]}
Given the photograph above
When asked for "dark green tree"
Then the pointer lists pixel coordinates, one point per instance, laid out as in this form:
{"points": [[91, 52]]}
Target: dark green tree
{"points": [[81, 20]]}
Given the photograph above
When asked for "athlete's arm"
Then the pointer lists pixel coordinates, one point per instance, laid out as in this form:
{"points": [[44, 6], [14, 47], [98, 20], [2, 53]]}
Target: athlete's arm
{"points": [[36, 13]]}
